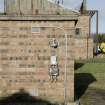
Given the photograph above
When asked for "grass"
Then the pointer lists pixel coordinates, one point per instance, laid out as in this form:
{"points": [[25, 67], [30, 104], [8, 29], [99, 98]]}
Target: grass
{"points": [[95, 60], [90, 83]]}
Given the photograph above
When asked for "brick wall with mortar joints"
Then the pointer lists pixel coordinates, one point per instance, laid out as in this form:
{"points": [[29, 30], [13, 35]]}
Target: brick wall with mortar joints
{"points": [[20, 41], [83, 43]]}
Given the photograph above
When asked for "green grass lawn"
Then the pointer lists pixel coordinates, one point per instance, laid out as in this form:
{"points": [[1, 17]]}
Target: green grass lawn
{"points": [[90, 83]]}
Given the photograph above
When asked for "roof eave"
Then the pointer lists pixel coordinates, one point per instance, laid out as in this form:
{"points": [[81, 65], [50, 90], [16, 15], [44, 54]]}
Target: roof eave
{"points": [[39, 18]]}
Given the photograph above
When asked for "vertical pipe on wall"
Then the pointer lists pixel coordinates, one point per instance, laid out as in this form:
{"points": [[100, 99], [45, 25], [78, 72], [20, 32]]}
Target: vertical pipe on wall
{"points": [[90, 27], [88, 36], [97, 22]]}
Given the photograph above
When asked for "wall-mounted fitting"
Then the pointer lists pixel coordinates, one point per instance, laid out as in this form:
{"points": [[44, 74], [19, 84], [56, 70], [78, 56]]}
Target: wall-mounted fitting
{"points": [[53, 69], [53, 60], [54, 43], [53, 72]]}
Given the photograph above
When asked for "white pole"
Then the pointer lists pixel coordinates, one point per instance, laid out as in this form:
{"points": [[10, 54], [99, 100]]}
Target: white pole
{"points": [[66, 55]]}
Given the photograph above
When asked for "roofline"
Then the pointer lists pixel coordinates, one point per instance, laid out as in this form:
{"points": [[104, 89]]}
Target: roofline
{"points": [[39, 18]]}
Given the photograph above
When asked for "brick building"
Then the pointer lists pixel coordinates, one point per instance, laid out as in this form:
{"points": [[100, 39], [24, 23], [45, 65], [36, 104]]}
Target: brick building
{"points": [[28, 31]]}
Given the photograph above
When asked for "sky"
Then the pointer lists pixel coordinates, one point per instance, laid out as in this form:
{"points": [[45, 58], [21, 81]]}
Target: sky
{"points": [[95, 5], [91, 4]]}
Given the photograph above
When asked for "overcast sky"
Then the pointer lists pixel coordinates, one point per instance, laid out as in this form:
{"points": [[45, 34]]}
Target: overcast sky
{"points": [[91, 4]]}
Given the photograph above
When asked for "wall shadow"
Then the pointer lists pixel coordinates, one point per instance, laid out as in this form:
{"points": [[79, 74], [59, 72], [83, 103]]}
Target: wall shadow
{"points": [[82, 81], [23, 98], [78, 65]]}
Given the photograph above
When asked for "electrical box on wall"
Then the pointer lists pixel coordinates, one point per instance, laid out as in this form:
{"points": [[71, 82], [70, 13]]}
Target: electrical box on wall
{"points": [[53, 60], [54, 43]]}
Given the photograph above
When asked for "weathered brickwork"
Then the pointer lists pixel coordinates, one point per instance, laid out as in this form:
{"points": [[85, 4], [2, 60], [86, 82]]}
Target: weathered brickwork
{"points": [[83, 48], [25, 58], [83, 43], [26, 32], [83, 24]]}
